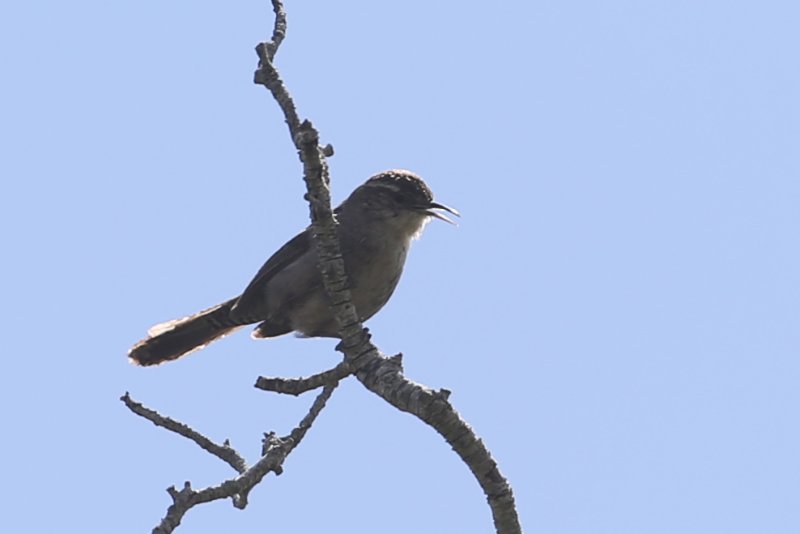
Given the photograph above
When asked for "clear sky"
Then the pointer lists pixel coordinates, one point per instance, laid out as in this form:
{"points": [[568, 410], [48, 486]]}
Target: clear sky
{"points": [[617, 314]]}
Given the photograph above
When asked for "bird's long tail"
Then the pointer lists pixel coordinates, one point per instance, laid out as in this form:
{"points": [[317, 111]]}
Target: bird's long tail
{"points": [[173, 339]]}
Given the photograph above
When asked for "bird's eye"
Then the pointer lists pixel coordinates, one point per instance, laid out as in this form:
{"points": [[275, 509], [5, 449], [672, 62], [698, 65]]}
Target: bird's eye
{"points": [[399, 198]]}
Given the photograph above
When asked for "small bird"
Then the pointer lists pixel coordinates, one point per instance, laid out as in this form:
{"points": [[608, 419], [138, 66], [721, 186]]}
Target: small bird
{"points": [[377, 223]]}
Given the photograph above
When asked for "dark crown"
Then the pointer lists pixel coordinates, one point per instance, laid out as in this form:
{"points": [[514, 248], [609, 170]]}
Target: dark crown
{"points": [[403, 183]]}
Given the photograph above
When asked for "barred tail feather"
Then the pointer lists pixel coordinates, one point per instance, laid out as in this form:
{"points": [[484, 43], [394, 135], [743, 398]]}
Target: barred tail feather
{"points": [[173, 339]]}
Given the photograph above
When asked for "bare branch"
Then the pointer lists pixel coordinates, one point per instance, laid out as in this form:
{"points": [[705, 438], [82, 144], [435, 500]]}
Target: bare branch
{"points": [[274, 453], [236, 488], [278, 29], [383, 376], [296, 386], [223, 452], [319, 403], [267, 75], [380, 375]]}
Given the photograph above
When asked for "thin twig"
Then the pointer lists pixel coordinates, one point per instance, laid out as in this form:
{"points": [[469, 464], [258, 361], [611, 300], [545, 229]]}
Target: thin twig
{"points": [[296, 386], [268, 76], [278, 29], [224, 452], [299, 432], [275, 451]]}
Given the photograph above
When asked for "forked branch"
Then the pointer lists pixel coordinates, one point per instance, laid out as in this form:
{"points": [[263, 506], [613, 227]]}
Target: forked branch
{"points": [[381, 375]]}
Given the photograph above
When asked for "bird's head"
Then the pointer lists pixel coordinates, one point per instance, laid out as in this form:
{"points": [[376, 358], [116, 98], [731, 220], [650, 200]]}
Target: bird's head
{"points": [[400, 199]]}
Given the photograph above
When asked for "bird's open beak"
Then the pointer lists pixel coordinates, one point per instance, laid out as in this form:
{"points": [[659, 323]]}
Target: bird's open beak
{"points": [[430, 210]]}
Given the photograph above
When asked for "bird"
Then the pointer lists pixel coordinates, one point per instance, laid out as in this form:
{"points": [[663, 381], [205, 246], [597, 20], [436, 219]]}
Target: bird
{"points": [[377, 224]]}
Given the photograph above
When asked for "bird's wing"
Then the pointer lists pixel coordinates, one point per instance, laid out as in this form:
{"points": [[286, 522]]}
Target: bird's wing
{"points": [[253, 296]]}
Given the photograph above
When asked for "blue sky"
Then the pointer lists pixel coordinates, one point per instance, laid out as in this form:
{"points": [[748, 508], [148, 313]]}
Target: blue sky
{"points": [[617, 314]]}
